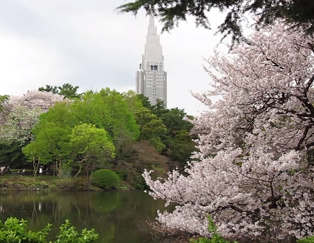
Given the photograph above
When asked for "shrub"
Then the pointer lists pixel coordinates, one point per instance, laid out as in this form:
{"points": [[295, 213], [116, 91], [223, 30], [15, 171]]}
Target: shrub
{"points": [[14, 231], [216, 238], [139, 182], [309, 239], [106, 179]]}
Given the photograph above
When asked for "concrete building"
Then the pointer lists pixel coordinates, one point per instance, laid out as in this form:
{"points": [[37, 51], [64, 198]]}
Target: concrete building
{"points": [[151, 79]]}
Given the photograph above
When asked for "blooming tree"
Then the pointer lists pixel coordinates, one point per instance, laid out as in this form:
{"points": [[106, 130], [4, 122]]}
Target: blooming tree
{"points": [[253, 173], [20, 113], [33, 99]]}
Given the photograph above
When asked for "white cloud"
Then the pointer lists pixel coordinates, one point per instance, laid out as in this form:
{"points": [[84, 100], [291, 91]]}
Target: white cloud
{"points": [[86, 43], [27, 64]]}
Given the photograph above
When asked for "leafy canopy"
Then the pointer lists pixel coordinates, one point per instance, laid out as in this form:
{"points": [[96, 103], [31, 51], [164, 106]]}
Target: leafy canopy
{"points": [[66, 90], [299, 13], [91, 142]]}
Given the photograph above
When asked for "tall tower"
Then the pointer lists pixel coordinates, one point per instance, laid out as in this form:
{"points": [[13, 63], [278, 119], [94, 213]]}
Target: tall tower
{"points": [[151, 79]]}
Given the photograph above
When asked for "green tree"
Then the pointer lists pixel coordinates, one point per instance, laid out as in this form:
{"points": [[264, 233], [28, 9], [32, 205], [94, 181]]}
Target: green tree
{"points": [[121, 115], [180, 148], [132, 100], [52, 137], [159, 108], [91, 109], [91, 146], [106, 110], [36, 154], [61, 114], [11, 154], [145, 101], [69, 91], [109, 110], [179, 143], [124, 128], [151, 127], [171, 12], [49, 88], [54, 142]]}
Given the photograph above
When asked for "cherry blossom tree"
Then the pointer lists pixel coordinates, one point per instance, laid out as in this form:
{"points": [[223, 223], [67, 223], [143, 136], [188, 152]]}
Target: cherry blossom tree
{"points": [[20, 113], [253, 173], [32, 99]]}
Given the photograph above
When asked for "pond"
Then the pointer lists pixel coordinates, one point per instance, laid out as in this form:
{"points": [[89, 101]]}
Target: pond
{"points": [[117, 217]]}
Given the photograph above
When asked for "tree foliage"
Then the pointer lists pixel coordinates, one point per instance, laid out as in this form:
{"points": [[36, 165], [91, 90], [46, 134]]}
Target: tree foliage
{"points": [[56, 133], [122, 118], [11, 154], [151, 127], [175, 141], [66, 90], [91, 146], [254, 175], [132, 100], [49, 88], [51, 144], [105, 109], [299, 13]]}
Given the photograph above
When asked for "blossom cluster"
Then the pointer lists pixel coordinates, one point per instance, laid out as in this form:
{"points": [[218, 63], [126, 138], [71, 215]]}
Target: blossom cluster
{"points": [[253, 173], [21, 113]]}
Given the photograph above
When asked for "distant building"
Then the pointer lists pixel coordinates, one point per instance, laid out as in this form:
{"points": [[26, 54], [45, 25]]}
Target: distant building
{"points": [[151, 79]]}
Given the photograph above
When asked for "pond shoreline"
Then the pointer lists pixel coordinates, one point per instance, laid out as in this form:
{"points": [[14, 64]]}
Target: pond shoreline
{"points": [[17, 182]]}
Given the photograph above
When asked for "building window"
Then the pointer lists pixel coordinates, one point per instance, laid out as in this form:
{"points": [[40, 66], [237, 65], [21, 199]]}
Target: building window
{"points": [[154, 67]]}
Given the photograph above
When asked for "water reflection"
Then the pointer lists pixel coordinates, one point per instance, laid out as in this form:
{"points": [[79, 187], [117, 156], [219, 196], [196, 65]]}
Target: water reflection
{"points": [[118, 217]]}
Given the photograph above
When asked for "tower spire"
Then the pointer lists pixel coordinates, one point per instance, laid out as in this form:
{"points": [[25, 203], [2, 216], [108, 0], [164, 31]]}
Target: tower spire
{"points": [[151, 79], [151, 20]]}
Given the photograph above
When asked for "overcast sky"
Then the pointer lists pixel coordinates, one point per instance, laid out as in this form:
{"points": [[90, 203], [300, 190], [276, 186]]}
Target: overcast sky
{"points": [[87, 44]]}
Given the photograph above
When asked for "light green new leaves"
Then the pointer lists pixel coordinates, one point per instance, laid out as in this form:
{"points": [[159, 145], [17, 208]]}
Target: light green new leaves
{"points": [[51, 144], [91, 143]]}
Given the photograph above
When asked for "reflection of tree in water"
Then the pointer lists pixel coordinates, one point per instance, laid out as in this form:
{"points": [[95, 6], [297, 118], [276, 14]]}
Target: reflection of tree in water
{"points": [[105, 203], [58, 206], [132, 215], [118, 217], [71, 205]]}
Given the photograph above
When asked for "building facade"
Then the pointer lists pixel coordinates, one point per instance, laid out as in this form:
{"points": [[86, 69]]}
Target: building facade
{"points": [[151, 79]]}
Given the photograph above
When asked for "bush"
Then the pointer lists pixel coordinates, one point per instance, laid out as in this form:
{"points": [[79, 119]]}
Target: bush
{"points": [[139, 183], [14, 231], [216, 238], [309, 239], [106, 179]]}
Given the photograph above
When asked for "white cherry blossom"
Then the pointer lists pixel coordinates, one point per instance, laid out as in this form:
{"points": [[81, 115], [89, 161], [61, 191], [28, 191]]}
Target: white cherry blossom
{"points": [[253, 173]]}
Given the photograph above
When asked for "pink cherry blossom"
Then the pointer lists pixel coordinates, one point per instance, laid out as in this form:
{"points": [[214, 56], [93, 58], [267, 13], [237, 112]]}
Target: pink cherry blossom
{"points": [[253, 173], [21, 113]]}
